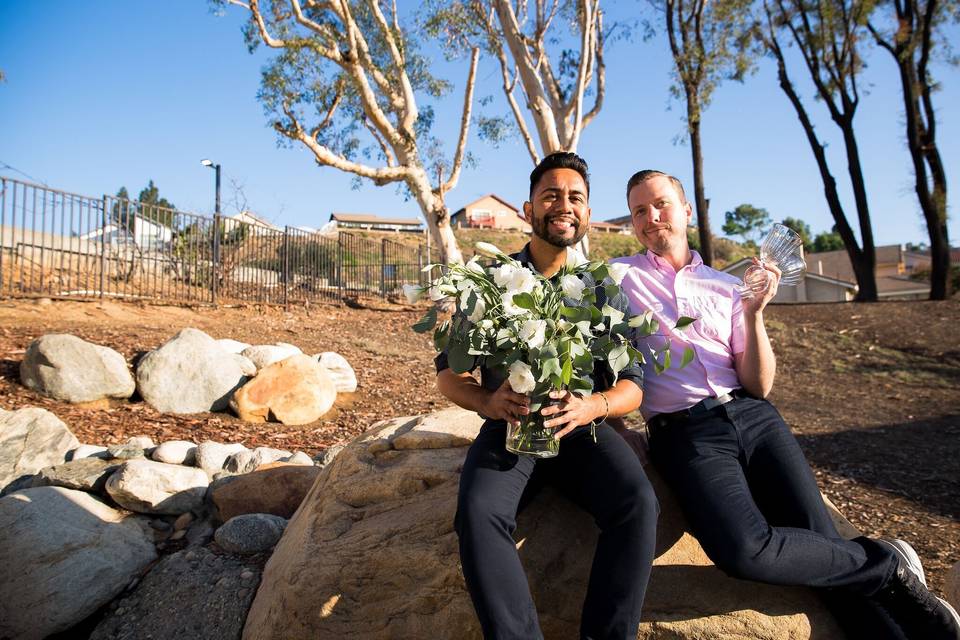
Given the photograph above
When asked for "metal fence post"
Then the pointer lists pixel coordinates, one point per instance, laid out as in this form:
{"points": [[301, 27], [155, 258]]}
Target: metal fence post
{"points": [[383, 268], [286, 265], [340, 265], [215, 266], [103, 247]]}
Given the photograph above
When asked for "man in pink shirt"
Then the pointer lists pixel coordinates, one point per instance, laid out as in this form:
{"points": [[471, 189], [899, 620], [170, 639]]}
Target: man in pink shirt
{"points": [[737, 471]]}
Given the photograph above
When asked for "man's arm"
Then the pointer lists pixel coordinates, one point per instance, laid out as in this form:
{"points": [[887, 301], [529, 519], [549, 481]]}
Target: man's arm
{"points": [[574, 410], [756, 365], [464, 391]]}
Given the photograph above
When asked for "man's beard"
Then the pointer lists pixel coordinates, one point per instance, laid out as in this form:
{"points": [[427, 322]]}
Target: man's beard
{"points": [[540, 230]]}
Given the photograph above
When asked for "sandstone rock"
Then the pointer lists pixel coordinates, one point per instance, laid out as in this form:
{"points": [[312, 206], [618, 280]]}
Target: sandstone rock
{"points": [[157, 488], [67, 368], [372, 553], [189, 374], [88, 451], [263, 355], [300, 458], [342, 374], [279, 491], [85, 474], [250, 533], [294, 391], [232, 346], [31, 439], [192, 594], [64, 555], [175, 452], [210, 456], [951, 589]]}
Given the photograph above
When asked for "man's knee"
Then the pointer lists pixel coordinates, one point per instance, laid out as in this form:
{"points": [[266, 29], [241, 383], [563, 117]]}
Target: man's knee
{"points": [[746, 558], [476, 512], [634, 502]]}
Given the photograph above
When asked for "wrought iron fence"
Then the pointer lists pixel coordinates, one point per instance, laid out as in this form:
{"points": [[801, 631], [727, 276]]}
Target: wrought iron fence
{"points": [[59, 244]]}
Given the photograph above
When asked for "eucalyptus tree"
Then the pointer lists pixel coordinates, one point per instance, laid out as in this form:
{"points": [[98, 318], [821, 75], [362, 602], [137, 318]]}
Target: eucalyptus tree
{"points": [[550, 56], [345, 84], [828, 34], [909, 30], [709, 41]]}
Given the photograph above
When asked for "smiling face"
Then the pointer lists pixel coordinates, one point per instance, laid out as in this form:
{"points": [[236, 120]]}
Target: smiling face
{"points": [[558, 209], [660, 215]]}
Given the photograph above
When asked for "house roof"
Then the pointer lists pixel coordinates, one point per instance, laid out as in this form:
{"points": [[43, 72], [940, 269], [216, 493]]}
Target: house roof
{"points": [[623, 221], [601, 224], [489, 195], [245, 216], [372, 218], [836, 264]]}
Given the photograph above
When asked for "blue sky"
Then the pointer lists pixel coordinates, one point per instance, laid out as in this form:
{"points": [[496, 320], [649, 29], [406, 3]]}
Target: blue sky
{"points": [[117, 92]]}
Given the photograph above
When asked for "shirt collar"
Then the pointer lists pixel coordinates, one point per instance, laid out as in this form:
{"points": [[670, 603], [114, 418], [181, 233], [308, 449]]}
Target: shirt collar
{"points": [[662, 265]]}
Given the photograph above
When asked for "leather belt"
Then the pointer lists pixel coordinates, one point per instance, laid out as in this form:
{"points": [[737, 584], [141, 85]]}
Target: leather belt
{"points": [[701, 408]]}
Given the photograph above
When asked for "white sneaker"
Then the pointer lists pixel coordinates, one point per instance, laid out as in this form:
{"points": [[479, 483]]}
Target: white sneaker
{"points": [[910, 558]]}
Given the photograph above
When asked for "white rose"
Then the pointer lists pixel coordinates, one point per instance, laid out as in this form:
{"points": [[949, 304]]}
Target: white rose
{"points": [[503, 274], [618, 270], [412, 292], [572, 286], [533, 333], [478, 311], [475, 267], [522, 281], [436, 294], [487, 249], [574, 257], [521, 377], [509, 308]]}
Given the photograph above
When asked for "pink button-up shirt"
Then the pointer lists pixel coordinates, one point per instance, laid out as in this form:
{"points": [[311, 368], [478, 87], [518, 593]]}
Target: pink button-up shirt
{"points": [[699, 292]]}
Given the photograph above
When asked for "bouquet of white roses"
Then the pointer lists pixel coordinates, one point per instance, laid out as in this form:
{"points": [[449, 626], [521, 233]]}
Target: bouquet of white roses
{"points": [[543, 334]]}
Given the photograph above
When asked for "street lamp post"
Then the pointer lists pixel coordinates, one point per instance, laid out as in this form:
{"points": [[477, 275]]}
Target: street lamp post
{"points": [[216, 233]]}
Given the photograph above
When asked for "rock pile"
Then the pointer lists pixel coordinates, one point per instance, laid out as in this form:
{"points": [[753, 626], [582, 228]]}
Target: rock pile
{"points": [[192, 373], [79, 524]]}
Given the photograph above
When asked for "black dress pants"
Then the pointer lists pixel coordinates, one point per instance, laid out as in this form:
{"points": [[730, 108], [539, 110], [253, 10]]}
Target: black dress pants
{"points": [[606, 479]]}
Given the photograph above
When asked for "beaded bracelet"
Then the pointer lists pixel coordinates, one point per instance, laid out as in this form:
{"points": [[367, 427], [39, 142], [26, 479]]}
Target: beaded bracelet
{"points": [[606, 404]]}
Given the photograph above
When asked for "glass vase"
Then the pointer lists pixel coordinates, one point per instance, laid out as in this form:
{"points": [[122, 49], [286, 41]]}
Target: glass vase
{"points": [[529, 437]]}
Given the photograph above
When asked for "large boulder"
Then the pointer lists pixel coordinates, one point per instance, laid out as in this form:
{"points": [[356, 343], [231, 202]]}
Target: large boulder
{"points": [[64, 555], [263, 355], [31, 439], [296, 390], [372, 554], [192, 594], [151, 487], [190, 373], [67, 368], [342, 374]]}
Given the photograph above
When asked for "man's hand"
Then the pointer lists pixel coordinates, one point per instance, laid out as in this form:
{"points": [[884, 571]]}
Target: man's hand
{"points": [[572, 411], [506, 404], [756, 303]]}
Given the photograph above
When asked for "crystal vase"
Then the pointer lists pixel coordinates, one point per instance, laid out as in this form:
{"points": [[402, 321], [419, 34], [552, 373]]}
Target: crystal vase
{"points": [[529, 437]]}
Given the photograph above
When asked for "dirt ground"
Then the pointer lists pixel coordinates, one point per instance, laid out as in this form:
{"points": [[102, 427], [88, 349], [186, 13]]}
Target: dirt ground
{"points": [[871, 390]]}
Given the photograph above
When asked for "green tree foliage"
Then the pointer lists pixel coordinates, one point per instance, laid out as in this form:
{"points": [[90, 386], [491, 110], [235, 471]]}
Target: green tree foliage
{"points": [[746, 221], [802, 229], [149, 205], [827, 241]]}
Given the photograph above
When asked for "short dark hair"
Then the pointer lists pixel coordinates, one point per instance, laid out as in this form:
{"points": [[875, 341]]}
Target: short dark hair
{"points": [[648, 174], [560, 160]]}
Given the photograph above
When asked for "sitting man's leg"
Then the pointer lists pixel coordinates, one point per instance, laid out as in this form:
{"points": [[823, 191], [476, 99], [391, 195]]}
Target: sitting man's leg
{"points": [[606, 479], [491, 485]]}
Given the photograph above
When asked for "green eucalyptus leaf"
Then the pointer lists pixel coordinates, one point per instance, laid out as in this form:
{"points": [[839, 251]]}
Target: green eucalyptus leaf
{"points": [[612, 291], [524, 301], [566, 372], [683, 322], [551, 367], [618, 358], [688, 354], [458, 357], [428, 322]]}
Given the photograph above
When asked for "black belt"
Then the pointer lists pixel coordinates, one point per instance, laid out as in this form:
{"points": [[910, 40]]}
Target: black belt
{"points": [[703, 407]]}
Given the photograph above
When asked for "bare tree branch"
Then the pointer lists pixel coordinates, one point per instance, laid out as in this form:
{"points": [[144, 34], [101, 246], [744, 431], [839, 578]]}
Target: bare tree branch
{"points": [[464, 123]]}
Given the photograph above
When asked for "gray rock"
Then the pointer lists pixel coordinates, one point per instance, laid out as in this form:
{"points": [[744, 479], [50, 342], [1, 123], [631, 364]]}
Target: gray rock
{"points": [[267, 455], [67, 368], [64, 555], [250, 533], [300, 458], [88, 451], [211, 456], [144, 442], [200, 532], [189, 595], [246, 365], [151, 487], [246, 461], [189, 374], [85, 474], [263, 355], [328, 455], [125, 451], [175, 452], [232, 346], [31, 439], [340, 371]]}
